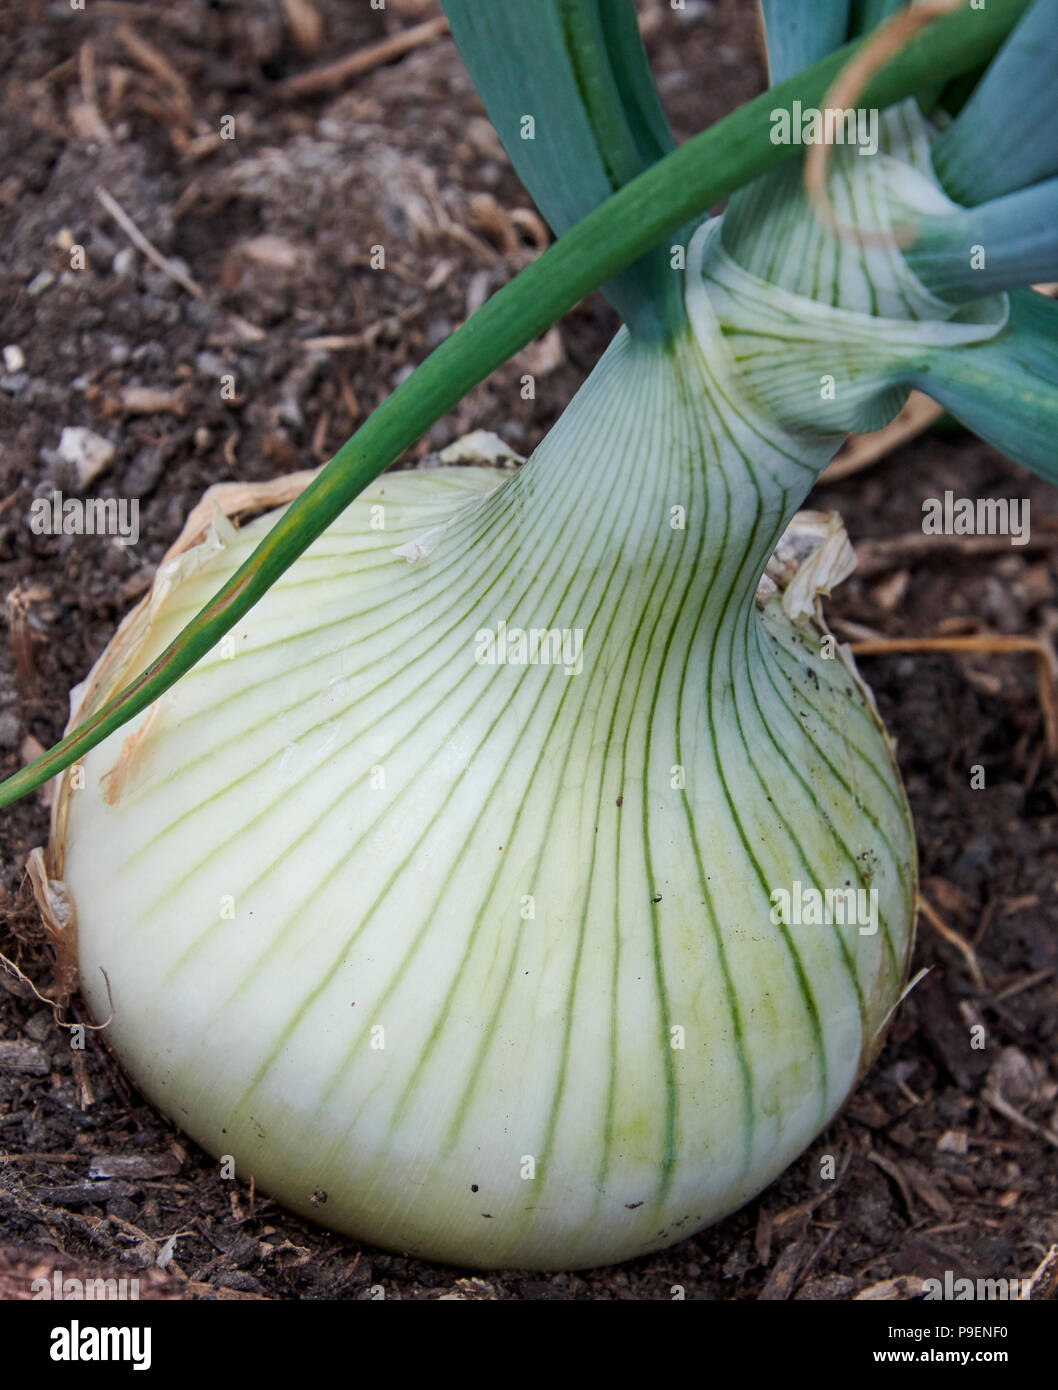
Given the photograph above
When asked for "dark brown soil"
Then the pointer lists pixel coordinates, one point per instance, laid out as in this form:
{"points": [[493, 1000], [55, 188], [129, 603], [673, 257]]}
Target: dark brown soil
{"points": [[276, 227]]}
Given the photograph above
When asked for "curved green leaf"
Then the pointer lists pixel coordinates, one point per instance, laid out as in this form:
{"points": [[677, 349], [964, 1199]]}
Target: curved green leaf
{"points": [[801, 32], [1016, 237], [567, 85], [1006, 136], [1006, 390]]}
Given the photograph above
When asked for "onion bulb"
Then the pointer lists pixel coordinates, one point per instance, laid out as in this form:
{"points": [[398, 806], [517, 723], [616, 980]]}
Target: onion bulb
{"points": [[442, 897]]}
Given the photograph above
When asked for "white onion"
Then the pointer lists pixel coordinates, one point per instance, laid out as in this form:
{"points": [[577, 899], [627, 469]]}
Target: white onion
{"points": [[595, 1038]]}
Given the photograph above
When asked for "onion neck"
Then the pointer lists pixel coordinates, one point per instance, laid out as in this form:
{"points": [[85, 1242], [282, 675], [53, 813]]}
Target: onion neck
{"points": [[662, 479]]}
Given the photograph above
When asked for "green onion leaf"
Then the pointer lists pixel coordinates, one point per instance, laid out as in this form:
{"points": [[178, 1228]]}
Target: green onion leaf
{"points": [[800, 32], [1004, 244], [1006, 136], [567, 85], [1005, 390]]}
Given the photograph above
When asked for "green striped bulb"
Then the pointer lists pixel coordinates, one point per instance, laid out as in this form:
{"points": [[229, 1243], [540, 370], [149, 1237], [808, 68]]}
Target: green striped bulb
{"points": [[484, 948]]}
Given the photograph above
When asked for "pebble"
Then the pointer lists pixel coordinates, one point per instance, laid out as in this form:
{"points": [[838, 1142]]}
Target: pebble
{"points": [[40, 283], [145, 471], [1014, 1077], [14, 358], [9, 729], [40, 1027], [163, 285], [438, 331], [89, 452], [209, 364]]}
